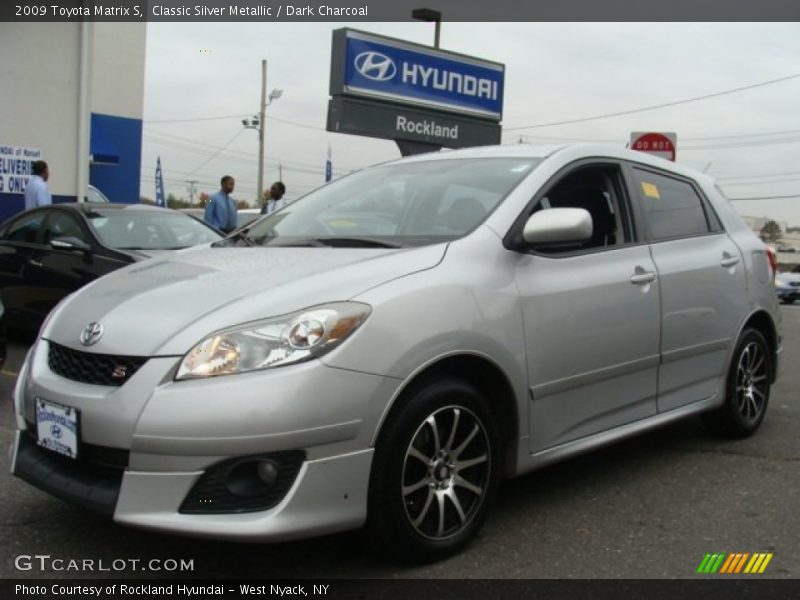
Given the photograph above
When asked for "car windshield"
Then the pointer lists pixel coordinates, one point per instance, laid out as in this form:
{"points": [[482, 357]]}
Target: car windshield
{"points": [[403, 204], [149, 230]]}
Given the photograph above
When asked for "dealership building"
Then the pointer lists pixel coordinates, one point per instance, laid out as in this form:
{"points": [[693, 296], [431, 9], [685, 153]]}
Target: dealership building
{"points": [[71, 94]]}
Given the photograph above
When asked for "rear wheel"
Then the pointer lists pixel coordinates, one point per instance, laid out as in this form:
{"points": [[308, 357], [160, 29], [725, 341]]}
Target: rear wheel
{"points": [[747, 390], [435, 472]]}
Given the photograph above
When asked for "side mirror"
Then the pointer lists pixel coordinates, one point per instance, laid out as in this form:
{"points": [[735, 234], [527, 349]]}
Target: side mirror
{"points": [[558, 226], [70, 243]]}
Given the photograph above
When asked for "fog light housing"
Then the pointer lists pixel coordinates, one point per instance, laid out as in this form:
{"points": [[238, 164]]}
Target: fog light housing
{"points": [[244, 484]]}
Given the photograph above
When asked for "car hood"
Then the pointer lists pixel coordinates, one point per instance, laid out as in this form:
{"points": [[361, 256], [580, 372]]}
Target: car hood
{"points": [[165, 305]]}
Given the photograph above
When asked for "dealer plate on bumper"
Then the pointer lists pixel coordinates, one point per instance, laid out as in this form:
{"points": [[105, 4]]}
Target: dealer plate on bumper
{"points": [[57, 427]]}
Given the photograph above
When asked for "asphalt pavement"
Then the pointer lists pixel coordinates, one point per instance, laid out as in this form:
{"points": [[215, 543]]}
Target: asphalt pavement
{"points": [[649, 507]]}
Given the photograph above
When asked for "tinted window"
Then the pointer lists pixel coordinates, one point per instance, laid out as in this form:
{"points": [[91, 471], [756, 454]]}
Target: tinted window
{"points": [[62, 225], [672, 208], [25, 229]]}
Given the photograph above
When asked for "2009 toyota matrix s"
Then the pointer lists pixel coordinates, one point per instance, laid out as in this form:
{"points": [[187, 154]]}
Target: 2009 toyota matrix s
{"points": [[383, 350]]}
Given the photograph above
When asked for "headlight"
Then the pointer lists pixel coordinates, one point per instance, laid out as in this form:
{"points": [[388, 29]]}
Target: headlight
{"points": [[275, 342]]}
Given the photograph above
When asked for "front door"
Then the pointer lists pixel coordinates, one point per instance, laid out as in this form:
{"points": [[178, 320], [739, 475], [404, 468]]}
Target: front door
{"points": [[591, 317]]}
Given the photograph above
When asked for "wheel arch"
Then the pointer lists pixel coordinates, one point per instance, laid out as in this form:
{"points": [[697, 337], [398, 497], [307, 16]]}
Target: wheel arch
{"points": [[488, 378], [762, 322]]}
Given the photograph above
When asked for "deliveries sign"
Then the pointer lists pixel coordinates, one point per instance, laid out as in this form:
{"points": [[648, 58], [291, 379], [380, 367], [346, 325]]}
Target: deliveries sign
{"points": [[15, 167]]}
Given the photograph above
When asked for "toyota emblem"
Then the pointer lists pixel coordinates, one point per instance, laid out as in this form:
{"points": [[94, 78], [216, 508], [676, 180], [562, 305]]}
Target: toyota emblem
{"points": [[91, 333]]}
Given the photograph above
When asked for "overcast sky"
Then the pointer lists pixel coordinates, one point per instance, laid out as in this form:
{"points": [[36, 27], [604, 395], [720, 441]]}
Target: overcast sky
{"points": [[749, 140]]}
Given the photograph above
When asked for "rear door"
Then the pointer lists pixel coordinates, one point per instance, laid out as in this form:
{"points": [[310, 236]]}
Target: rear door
{"points": [[703, 295]]}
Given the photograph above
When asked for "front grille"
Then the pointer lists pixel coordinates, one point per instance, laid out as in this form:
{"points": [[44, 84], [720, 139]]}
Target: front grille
{"points": [[211, 493], [98, 369]]}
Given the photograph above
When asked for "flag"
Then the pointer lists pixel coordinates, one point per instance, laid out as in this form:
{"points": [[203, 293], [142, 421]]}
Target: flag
{"points": [[160, 199], [328, 166]]}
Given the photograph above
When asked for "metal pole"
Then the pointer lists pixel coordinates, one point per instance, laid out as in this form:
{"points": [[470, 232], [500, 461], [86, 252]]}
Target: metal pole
{"points": [[436, 34], [261, 125], [84, 111]]}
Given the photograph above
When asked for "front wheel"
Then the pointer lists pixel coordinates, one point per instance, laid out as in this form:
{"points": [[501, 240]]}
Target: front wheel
{"points": [[435, 472], [747, 389]]}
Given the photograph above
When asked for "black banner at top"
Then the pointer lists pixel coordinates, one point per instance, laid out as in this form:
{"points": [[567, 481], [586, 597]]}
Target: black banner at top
{"points": [[245, 11]]}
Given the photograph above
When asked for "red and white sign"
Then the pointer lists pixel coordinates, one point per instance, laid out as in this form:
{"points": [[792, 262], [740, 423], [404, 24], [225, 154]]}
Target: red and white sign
{"points": [[660, 144]]}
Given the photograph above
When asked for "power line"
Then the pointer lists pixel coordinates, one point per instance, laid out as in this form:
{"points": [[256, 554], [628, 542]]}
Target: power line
{"points": [[197, 119], [656, 106], [213, 156]]}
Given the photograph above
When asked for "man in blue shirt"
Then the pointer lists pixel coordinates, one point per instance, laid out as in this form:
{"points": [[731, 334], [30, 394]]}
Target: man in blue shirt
{"points": [[221, 208], [36, 192]]}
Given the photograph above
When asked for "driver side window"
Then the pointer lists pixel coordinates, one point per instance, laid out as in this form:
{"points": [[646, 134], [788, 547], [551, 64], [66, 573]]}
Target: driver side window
{"points": [[62, 225], [599, 191]]}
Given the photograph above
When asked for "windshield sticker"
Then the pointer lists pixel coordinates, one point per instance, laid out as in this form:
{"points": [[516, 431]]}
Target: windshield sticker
{"points": [[650, 190]]}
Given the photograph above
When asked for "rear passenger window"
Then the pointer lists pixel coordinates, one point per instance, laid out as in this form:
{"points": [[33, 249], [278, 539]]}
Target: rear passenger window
{"points": [[673, 208]]}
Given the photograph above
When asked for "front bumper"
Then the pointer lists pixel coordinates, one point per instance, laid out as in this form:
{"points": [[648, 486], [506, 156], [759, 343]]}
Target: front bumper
{"points": [[150, 441]]}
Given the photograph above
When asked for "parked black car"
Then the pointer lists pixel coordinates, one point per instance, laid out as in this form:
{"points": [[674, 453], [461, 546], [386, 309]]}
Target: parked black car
{"points": [[47, 253]]}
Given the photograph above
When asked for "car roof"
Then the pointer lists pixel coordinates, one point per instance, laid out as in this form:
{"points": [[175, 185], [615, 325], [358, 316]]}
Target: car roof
{"points": [[573, 151], [94, 207]]}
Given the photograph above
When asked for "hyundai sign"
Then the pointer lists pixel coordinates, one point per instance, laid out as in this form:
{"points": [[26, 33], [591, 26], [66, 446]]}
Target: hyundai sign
{"points": [[396, 71]]}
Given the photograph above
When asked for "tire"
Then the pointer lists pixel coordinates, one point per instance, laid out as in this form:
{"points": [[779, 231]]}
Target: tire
{"points": [[435, 472], [788, 301], [747, 389]]}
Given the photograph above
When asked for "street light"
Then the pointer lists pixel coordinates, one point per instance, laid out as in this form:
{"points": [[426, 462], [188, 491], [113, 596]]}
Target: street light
{"points": [[430, 16], [258, 122]]}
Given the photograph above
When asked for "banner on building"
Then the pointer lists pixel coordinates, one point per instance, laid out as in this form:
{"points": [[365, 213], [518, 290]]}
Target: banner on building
{"points": [[16, 167]]}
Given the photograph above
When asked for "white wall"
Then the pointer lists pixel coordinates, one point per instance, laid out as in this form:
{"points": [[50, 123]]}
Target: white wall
{"points": [[39, 94], [118, 69]]}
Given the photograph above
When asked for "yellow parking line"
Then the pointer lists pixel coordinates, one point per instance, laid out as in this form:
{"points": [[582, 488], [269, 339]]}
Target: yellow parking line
{"points": [[9, 373]]}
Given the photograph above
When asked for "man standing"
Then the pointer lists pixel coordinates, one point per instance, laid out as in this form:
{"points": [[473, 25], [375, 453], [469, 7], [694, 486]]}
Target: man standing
{"points": [[221, 208], [276, 200], [36, 192]]}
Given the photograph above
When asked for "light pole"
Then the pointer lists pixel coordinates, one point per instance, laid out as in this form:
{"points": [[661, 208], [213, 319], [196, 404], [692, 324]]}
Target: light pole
{"points": [[431, 16], [258, 122]]}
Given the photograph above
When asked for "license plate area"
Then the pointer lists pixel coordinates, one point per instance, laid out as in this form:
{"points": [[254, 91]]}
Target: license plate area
{"points": [[57, 428]]}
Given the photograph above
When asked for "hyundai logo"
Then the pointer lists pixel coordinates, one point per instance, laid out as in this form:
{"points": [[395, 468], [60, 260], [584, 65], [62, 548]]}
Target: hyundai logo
{"points": [[376, 66], [91, 333], [56, 432]]}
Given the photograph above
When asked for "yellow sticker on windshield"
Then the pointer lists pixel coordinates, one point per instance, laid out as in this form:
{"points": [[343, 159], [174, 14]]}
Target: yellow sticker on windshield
{"points": [[650, 190]]}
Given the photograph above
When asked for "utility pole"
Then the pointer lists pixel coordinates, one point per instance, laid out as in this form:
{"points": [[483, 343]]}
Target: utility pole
{"points": [[262, 124], [192, 183], [280, 172]]}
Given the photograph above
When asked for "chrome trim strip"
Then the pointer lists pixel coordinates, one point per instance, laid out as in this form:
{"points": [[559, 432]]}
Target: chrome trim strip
{"points": [[589, 377]]}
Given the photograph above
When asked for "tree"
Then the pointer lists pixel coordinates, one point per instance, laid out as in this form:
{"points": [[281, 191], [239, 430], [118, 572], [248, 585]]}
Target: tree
{"points": [[771, 232], [146, 200]]}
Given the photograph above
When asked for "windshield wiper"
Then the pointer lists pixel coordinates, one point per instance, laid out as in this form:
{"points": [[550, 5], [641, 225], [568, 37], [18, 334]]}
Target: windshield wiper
{"points": [[240, 236], [357, 242]]}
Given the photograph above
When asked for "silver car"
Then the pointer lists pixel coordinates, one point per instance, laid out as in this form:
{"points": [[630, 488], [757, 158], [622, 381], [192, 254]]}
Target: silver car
{"points": [[385, 349]]}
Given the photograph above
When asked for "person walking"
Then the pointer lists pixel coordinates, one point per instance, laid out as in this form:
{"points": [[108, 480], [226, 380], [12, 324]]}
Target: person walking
{"points": [[276, 200], [37, 192], [221, 209]]}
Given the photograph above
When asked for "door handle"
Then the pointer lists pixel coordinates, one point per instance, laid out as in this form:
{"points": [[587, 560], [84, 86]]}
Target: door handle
{"points": [[641, 278], [34, 263], [729, 261]]}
